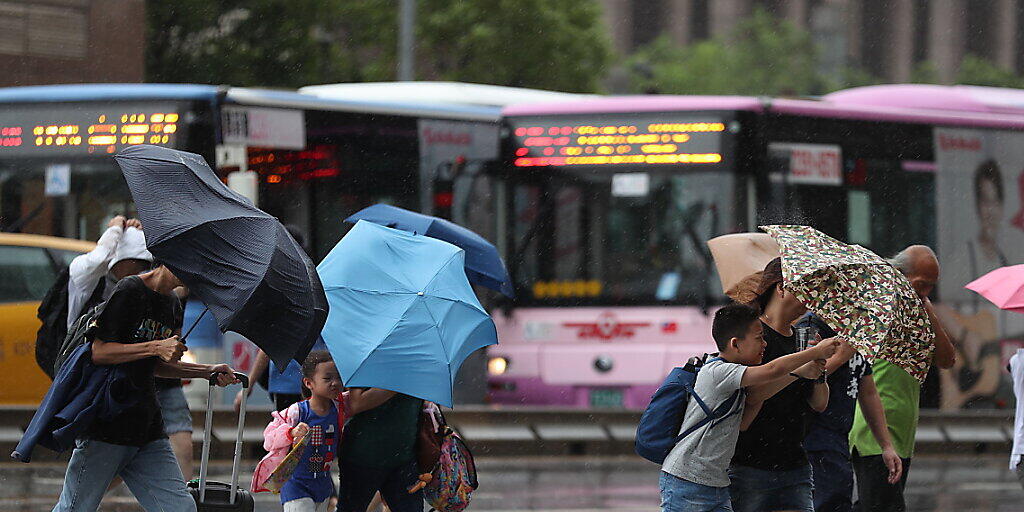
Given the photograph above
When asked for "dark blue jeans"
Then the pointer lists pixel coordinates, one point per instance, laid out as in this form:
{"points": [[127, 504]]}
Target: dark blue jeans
{"points": [[833, 481], [359, 484], [757, 490]]}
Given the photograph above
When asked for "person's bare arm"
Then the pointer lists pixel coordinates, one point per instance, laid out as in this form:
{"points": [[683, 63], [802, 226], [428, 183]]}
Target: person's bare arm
{"points": [[364, 399], [874, 415], [945, 352], [767, 379], [819, 397], [183, 370], [112, 352], [757, 394], [261, 365]]}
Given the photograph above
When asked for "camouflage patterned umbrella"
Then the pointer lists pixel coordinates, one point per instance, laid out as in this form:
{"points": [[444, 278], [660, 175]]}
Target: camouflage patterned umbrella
{"points": [[859, 294]]}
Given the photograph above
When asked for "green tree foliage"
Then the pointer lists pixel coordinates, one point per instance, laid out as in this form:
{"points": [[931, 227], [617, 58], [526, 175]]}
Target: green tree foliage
{"points": [[527, 43], [558, 45], [977, 71], [762, 55]]}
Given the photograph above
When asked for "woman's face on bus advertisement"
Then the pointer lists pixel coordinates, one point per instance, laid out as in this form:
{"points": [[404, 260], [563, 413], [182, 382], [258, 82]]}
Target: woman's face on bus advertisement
{"points": [[990, 208]]}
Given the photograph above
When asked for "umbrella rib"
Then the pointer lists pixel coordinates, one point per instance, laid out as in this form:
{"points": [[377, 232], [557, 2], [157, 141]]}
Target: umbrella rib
{"points": [[445, 264], [440, 338]]}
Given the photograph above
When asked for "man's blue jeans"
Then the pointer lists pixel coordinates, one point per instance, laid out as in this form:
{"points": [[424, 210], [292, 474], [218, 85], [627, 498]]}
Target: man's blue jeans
{"points": [[151, 473], [678, 495]]}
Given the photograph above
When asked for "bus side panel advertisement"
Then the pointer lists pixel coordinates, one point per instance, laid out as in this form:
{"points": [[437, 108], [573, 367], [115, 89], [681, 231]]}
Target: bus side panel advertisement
{"points": [[980, 214], [442, 143]]}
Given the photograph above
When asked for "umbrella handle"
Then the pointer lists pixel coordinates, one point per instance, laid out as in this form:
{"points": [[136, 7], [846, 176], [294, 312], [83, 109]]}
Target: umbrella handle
{"points": [[194, 324]]}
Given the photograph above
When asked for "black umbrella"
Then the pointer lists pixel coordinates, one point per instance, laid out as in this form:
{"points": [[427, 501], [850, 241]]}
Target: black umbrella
{"points": [[234, 257]]}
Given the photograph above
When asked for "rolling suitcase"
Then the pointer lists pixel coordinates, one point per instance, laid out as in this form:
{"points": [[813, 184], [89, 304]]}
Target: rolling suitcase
{"points": [[219, 496]]}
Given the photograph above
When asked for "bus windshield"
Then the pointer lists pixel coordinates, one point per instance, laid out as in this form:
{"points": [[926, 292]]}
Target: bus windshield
{"points": [[606, 238]]}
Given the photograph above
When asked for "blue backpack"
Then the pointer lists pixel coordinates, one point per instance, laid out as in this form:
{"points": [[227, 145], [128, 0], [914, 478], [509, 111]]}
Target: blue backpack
{"points": [[658, 431]]}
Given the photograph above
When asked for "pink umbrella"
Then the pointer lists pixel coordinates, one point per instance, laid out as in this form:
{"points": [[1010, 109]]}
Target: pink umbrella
{"points": [[1003, 287]]}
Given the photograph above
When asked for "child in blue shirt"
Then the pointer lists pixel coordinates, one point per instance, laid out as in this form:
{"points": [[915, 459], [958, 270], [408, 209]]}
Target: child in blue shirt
{"points": [[319, 418]]}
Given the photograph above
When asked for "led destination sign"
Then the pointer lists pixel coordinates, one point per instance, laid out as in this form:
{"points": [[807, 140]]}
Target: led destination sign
{"points": [[636, 141], [85, 130]]}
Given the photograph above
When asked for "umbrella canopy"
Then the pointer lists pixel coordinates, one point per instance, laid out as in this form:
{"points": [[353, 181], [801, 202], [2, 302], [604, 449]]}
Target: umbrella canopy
{"points": [[403, 315], [739, 255], [859, 294], [483, 264], [235, 258], [1003, 287]]}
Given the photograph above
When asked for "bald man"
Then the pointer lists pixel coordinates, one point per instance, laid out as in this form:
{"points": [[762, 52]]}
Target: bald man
{"points": [[901, 397]]}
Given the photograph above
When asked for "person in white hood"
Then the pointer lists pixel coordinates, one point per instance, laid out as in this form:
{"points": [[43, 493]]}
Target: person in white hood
{"points": [[120, 252]]}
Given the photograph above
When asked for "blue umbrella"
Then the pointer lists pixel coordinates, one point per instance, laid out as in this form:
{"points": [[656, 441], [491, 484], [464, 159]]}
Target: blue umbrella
{"points": [[402, 314], [483, 264]]}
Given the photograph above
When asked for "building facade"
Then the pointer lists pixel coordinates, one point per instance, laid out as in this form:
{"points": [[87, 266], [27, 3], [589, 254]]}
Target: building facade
{"points": [[70, 41], [887, 38]]}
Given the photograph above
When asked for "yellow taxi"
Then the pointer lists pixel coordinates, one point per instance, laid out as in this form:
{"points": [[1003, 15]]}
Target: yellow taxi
{"points": [[29, 264]]}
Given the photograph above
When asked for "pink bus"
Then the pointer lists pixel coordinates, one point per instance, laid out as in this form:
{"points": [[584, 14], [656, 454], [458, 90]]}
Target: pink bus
{"points": [[605, 206]]}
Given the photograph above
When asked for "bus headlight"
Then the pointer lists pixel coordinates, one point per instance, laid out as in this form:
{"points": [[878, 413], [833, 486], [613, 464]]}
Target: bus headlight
{"points": [[497, 366]]}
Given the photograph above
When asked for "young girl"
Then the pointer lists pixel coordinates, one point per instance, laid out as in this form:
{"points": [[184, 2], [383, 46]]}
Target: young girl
{"points": [[320, 417]]}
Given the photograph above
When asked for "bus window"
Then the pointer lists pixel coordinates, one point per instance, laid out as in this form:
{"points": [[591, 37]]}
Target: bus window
{"points": [[602, 244], [25, 273], [902, 207], [878, 204]]}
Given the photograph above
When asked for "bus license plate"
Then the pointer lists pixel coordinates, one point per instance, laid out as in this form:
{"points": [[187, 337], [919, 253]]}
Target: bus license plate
{"points": [[606, 398]]}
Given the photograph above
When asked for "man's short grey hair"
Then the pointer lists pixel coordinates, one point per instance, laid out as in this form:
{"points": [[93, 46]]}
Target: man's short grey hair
{"points": [[904, 260]]}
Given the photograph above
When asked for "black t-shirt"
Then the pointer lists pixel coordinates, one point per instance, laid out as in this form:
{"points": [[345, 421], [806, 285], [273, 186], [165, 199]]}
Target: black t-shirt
{"points": [[136, 314], [830, 430], [774, 441]]}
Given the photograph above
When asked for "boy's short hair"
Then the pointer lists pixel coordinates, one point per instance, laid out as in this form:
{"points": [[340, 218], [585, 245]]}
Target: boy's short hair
{"points": [[732, 321]]}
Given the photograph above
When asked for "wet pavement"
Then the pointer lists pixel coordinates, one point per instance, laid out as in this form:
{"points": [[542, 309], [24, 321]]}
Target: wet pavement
{"points": [[578, 484]]}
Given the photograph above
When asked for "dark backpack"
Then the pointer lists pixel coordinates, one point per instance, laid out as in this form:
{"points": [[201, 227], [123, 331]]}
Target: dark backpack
{"points": [[658, 431], [82, 331], [53, 313]]}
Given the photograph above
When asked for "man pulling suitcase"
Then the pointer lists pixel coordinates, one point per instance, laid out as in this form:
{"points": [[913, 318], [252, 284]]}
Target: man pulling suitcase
{"points": [[137, 331]]}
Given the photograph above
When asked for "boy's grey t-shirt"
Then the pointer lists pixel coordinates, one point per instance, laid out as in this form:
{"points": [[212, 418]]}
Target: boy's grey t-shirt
{"points": [[703, 456]]}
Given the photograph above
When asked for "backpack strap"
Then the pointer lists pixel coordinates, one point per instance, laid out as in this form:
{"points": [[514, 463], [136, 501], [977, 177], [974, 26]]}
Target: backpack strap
{"points": [[721, 412]]}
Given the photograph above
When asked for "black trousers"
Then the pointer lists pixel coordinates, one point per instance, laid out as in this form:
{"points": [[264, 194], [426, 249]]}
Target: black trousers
{"points": [[874, 492], [359, 484]]}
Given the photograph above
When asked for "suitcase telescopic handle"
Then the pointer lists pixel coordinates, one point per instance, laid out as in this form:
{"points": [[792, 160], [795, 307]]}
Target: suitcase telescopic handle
{"points": [[238, 375], [238, 438]]}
